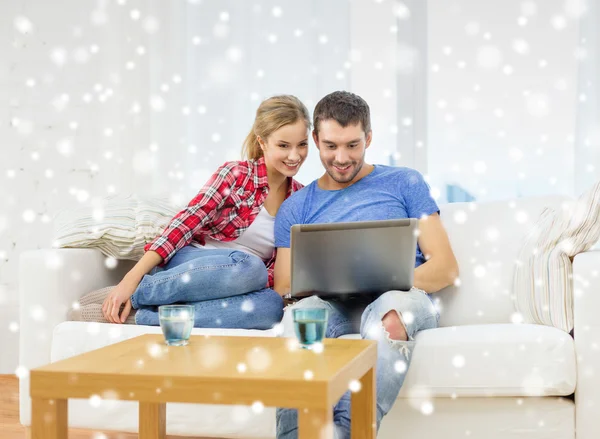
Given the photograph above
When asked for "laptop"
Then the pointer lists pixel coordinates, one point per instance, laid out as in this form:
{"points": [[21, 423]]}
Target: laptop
{"points": [[353, 258]]}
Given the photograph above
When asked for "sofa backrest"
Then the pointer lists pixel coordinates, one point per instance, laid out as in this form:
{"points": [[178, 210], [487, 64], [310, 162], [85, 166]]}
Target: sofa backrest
{"points": [[486, 238]]}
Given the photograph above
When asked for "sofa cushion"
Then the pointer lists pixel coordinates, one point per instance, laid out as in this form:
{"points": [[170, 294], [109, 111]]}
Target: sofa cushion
{"points": [[542, 285], [119, 226], [491, 360], [486, 238]]}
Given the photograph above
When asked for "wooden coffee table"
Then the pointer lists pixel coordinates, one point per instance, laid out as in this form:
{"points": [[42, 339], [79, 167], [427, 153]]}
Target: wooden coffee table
{"points": [[213, 370]]}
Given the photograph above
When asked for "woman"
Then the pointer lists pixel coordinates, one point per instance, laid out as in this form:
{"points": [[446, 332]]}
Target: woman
{"points": [[218, 253]]}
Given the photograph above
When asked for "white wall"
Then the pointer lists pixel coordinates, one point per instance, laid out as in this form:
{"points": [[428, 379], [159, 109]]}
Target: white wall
{"points": [[8, 196], [502, 94]]}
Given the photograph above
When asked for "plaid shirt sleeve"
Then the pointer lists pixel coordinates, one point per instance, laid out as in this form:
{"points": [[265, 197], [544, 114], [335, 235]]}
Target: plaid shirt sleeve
{"points": [[203, 209]]}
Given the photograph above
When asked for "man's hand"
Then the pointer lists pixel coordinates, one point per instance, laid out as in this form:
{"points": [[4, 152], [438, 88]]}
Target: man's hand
{"points": [[441, 267], [120, 295]]}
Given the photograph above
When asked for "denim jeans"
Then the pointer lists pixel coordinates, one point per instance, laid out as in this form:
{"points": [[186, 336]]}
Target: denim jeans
{"points": [[226, 288], [363, 314]]}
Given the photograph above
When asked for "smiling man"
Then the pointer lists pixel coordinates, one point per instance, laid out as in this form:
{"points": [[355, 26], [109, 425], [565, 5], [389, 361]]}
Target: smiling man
{"points": [[353, 190]]}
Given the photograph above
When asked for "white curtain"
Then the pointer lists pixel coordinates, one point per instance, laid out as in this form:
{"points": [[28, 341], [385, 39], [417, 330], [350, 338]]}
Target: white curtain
{"points": [[587, 145], [207, 67]]}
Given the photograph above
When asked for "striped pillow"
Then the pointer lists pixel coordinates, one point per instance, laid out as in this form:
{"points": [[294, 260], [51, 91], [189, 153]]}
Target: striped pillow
{"points": [[543, 277], [120, 227]]}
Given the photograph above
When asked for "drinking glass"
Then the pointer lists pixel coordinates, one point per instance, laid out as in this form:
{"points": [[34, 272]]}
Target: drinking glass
{"points": [[176, 322], [310, 325]]}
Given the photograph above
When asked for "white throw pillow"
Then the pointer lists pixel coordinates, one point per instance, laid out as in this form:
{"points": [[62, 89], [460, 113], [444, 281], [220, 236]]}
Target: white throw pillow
{"points": [[543, 278], [119, 227]]}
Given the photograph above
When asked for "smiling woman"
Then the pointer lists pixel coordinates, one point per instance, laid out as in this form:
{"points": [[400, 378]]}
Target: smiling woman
{"points": [[283, 145], [203, 256], [218, 253], [291, 153]]}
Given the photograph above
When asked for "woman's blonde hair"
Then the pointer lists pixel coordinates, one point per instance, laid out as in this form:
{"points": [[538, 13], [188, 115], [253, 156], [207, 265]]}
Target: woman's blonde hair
{"points": [[272, 114]]}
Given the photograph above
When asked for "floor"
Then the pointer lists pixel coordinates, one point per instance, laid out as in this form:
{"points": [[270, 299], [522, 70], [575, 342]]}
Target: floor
{"points": [[10, 428]]}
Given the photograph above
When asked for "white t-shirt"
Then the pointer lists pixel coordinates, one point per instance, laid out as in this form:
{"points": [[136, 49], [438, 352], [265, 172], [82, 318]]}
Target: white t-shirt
{"points": [[258, 239]]}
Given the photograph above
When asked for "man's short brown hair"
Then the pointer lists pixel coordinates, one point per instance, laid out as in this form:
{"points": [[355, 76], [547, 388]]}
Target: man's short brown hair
{"points": [[345, 108]]}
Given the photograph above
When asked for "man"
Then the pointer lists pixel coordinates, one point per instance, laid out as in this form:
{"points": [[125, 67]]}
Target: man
{"points": [[352, 190]]}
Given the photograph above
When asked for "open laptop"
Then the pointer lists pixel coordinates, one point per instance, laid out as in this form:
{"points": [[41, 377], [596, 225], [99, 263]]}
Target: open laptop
{"points": [[365, 257]]}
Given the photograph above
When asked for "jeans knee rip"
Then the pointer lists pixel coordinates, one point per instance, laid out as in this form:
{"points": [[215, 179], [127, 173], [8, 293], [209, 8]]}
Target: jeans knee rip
{"points": [[401, 345]]}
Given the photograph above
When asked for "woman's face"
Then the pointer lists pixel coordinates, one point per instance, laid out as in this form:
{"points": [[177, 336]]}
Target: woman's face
{"points": [[286, 149]]}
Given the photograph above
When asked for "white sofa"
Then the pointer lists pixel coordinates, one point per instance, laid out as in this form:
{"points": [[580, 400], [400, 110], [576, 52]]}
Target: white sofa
{"points": [[480, 375]]}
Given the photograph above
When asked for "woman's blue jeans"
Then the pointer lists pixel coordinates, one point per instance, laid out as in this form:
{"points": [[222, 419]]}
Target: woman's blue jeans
{"points": [[226, 288]]}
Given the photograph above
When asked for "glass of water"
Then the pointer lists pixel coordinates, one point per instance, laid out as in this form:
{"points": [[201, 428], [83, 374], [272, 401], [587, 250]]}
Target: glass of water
{"points": [[310, 325], [176, 322]]}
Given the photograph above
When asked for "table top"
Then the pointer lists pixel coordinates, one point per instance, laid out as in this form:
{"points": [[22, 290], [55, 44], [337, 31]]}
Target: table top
{"points": [[142, 366]]}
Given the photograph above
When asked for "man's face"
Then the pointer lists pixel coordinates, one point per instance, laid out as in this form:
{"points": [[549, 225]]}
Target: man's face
{"points": [[342, 150]]}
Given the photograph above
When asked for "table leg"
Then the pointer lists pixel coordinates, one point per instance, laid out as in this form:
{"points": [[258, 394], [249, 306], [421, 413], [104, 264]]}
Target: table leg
{"points": [[153, 420], [364, 422], [49, 418], [315, 424]]}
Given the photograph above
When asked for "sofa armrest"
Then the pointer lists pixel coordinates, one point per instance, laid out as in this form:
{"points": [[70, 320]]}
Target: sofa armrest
{"points": [[586, 309], [50, 281]]}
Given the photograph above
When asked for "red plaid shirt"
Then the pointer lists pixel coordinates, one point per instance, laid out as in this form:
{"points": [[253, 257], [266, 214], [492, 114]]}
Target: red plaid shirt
{"points": [[223, 209]]}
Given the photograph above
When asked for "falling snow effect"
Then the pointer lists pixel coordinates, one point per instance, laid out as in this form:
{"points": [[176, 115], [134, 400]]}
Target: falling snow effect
{"points": [[93, 116]]}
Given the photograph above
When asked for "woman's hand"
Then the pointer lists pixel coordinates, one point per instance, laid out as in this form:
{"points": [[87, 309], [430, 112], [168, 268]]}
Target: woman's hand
{"points": [[120, 295]]}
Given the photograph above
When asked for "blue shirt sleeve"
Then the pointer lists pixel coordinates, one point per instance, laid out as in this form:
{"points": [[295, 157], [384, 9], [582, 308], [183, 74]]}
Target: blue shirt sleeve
{"points": [[417, 196], [284, 221]]}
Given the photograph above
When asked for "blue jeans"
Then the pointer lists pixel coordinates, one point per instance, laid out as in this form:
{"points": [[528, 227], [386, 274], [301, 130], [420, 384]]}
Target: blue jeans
{"points": [[363, 314], [226, 288]]}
